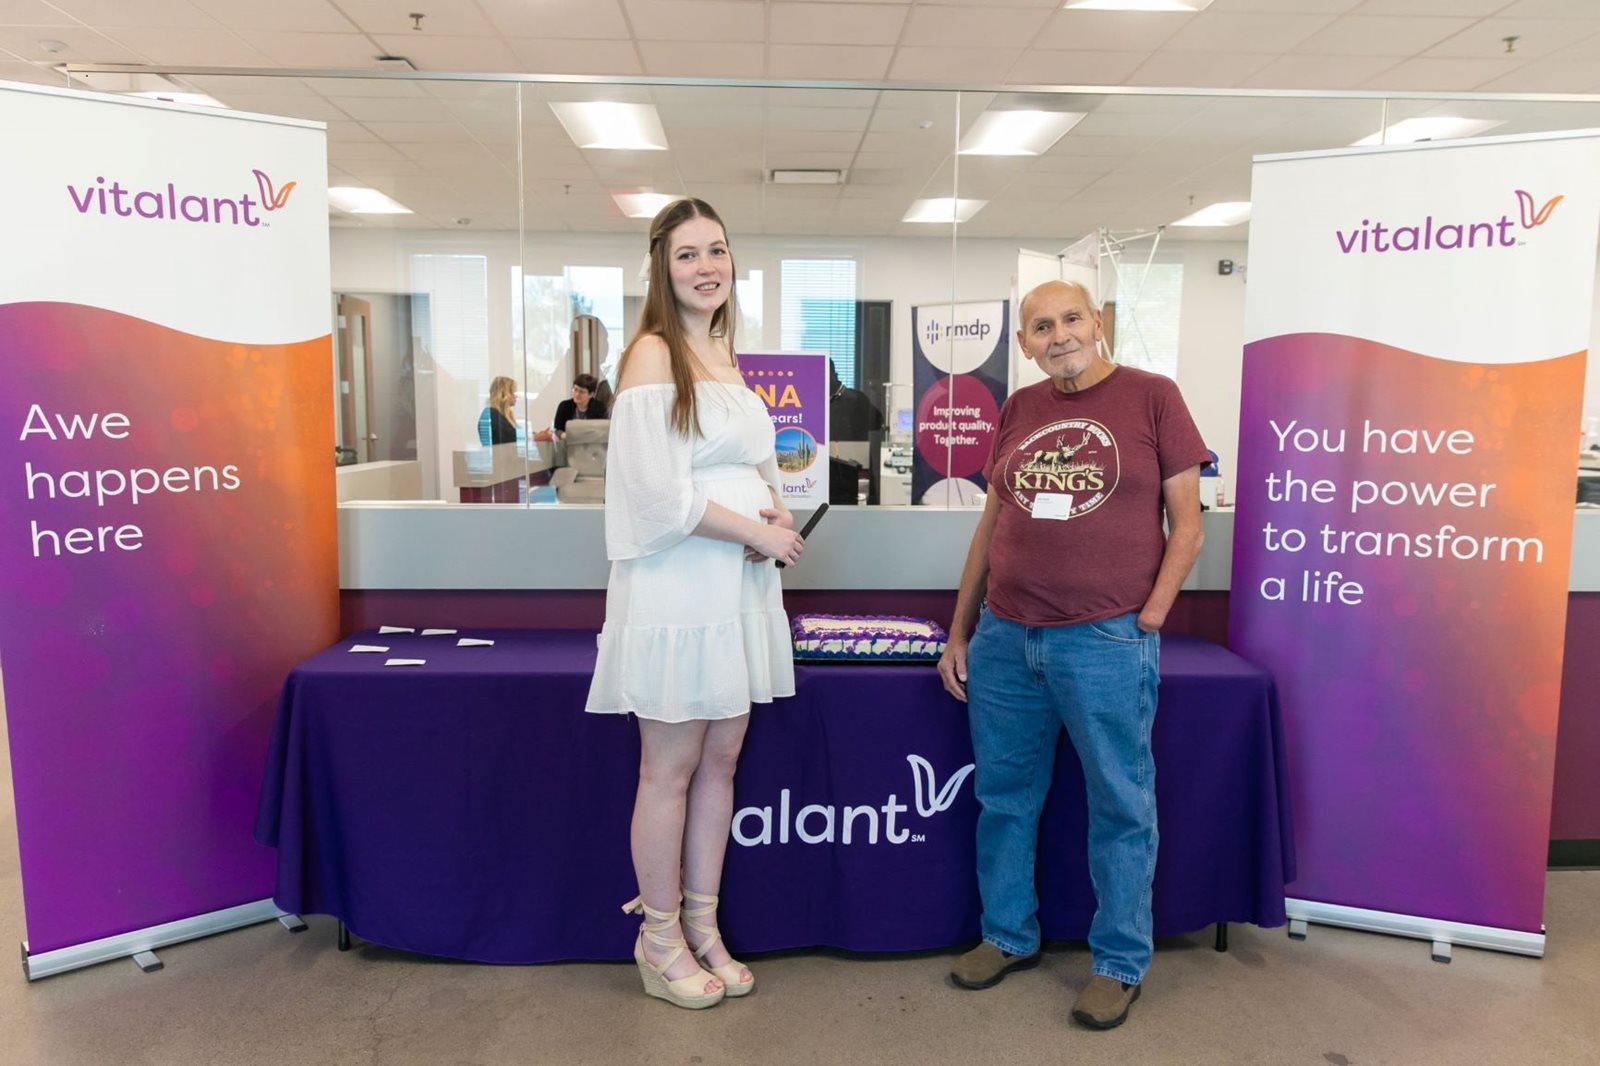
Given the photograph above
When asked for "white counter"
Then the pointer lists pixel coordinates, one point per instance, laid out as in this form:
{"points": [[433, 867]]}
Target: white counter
{"points": [[506, 546]]}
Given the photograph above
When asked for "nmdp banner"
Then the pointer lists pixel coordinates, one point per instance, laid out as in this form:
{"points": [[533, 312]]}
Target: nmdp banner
{"points": [[1416, 327], [959, 379]]}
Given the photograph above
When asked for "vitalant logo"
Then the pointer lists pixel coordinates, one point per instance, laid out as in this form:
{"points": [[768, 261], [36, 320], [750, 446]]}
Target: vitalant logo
{"points": [[977, 329], [818, 823], [1532, 217], [1446, 236], [270, 199], [168, 204]]}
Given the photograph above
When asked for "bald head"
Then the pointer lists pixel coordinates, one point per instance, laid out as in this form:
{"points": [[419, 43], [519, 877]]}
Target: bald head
{"points": [[1080, 290]]}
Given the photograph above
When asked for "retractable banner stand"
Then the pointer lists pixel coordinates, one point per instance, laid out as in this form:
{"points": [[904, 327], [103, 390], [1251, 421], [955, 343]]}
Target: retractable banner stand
{"points": [[167, 536], [794, 386], [959, 381], [1416, 328]]}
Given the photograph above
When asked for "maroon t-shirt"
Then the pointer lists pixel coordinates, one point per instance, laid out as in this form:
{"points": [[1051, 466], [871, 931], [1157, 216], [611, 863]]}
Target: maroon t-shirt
{"points": [[1108, 447]]}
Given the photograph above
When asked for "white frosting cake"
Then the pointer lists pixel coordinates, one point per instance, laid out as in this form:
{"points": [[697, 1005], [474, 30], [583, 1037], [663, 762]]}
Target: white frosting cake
{"points": [[843, 636]]}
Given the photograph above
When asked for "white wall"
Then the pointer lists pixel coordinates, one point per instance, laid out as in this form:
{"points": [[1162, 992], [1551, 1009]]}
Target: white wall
{"points": [[905, 270]]}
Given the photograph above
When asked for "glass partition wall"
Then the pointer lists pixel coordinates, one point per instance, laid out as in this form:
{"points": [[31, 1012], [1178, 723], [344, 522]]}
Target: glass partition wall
{"points": [[491, 250]]}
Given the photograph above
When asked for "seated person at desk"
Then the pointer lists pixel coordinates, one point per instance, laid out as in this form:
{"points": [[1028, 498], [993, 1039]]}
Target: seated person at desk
{"points": [[498, 423], [582, 405]]}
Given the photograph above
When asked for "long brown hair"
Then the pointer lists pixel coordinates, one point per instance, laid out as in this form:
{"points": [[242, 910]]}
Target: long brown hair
{"points": [[660, 314], [501, 391]]}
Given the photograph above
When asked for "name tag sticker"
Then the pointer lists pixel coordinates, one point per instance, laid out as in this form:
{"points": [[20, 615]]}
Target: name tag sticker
{"points": [[1052, 505]]}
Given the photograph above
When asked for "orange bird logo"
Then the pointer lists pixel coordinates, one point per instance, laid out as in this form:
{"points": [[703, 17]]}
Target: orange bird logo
{"points": [[1532, 217], [272, 199]]}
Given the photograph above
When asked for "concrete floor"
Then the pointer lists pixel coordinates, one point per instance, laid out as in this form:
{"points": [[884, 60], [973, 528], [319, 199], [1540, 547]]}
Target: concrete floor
{"points": [[264, 995]]}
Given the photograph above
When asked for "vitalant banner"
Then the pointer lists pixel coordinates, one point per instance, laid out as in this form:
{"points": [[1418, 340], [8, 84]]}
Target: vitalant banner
{"points": [[959, 379], [1416, 328], [167, 541]]}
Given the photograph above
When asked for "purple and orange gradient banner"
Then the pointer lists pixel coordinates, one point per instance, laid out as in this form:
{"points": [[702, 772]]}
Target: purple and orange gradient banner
{"points": [[1417, 648], [167, 551], [1416, 328]]}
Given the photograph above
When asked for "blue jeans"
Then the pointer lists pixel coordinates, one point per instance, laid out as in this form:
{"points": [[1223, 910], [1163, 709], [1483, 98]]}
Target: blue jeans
{"points": [[1099, 680]]}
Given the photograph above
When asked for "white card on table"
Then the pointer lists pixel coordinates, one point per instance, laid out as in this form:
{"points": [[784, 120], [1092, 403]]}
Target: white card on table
{"points": [[474, 642], [396, 629], [1055, 505], [369, 647], [438, 632], [405, 662]]}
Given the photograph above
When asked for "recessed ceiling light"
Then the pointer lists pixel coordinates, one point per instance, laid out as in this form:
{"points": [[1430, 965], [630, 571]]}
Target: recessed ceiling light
{"points": [[1227, 213], [942, 209], [806, 177], [1429, 128], [642, 204], [1138, 5], [1017, 132], [359, 201], [621, 127]]}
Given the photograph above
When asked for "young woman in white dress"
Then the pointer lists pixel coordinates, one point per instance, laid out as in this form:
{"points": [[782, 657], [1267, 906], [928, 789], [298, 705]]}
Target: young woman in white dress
{"points": [[695, 630]]}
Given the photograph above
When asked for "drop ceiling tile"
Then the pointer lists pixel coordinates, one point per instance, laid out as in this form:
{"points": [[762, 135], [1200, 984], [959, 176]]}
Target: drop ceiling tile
{"points": [[169, 14], [1043, 66], [1548, 76], [686, 59], [1380, 36], [314, 108], [953, 27], [828, 62], [33, 13], [1441, 75], [860, 24], [575, 57], [1244, 32], [1550, 9], [411, 132], [380, 109], [703, 21], [1198, 69], [83, 45], [387, 16], [1472, 8], [198, 48], [583, 19], [1534, 38], [1111, 31], [312, 49], [467, 54], [337, 89], [976, 64], [305, 16], [1318, 72]]}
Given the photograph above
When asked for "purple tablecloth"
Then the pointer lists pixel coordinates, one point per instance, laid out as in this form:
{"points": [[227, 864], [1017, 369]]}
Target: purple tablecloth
{"points": [[469, 808]]}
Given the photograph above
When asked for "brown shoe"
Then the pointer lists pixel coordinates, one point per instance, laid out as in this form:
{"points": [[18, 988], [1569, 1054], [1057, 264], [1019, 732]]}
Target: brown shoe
{"points": [[1104, 1002], [986, 965]]}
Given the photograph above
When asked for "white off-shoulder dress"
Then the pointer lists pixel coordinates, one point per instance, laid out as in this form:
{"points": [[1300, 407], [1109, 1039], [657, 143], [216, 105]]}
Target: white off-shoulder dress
{"points": [[692, 630]]}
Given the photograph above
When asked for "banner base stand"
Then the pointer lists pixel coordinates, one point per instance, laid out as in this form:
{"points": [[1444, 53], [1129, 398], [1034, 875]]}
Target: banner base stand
{"points": [[145, 941], [1441, 934]]}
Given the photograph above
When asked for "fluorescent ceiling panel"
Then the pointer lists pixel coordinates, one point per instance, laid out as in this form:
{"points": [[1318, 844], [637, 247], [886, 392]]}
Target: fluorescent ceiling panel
{"points": [[619, 127], [943, 209], [1017, 132], [642, 204]]}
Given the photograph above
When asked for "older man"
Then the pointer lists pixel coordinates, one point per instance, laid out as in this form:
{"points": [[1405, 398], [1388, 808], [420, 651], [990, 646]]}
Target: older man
{"points": [[1075, 577]]}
